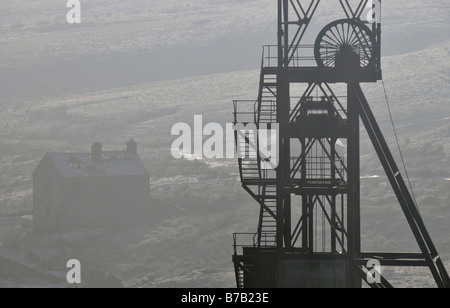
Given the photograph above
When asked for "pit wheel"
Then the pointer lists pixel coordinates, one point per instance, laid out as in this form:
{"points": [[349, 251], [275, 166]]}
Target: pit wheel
{"points": [[345, 35]]}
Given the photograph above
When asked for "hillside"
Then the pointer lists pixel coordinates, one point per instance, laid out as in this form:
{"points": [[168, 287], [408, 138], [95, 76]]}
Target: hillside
{"points": [[195, 248], [135, 71]]}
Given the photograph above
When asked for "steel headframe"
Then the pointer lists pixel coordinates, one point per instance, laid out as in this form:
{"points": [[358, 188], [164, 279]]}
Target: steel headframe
{"points": [[319, 174]]}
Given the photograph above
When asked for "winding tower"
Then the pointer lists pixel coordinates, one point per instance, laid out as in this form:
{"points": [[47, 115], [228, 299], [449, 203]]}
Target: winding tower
{"points": [[309, 229]]}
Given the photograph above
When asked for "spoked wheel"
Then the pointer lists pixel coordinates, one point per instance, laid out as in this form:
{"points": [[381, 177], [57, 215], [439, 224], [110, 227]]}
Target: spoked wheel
{"points": [[344, 38]]}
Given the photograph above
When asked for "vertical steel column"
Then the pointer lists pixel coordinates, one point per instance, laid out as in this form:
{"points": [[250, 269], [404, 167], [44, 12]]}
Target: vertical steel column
{"points": [[279, 219], [284, 232], [310, 223], [305, 201], [354, 185], [280, 33], [333, 197], [286, 42]]}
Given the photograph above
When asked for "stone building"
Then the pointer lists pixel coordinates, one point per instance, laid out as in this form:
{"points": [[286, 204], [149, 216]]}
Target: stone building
{"points": [[96, 189]]}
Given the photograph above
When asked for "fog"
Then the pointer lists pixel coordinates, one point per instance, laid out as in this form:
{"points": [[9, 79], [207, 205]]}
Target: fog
{"points": [[131, 70]]}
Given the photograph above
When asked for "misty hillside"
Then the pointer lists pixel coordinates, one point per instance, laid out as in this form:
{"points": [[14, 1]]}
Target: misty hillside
{"points": [[194, 249], [130, 42], [135, 71]]}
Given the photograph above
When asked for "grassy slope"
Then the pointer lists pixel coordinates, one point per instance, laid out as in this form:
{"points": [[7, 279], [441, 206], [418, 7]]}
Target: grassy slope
{"points": [[195, 249]]}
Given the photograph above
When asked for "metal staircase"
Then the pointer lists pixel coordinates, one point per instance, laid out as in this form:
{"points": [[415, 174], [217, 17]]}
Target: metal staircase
{"points": [[267, 227], [255, 180], [267, 97], [239, 276]]}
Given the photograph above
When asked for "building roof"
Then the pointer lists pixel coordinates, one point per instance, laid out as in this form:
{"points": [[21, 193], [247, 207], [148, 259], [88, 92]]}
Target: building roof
{"points": [[71, 165]]}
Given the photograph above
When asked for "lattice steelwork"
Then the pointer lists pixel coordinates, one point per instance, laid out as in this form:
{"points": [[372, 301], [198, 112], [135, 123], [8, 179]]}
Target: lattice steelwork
{"points": [[309, 229]]}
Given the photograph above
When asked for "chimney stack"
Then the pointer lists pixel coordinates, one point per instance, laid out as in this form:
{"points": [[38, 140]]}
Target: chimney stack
{"points": [[96, 153], [132, 146]]}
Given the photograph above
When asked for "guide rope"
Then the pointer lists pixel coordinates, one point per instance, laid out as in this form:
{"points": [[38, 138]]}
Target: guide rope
{"points": [[398, 144]]}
